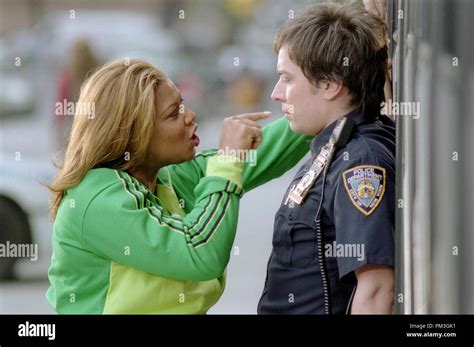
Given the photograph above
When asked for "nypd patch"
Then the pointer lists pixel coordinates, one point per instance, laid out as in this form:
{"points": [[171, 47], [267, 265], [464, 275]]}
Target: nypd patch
{"points": [[365, 185]]}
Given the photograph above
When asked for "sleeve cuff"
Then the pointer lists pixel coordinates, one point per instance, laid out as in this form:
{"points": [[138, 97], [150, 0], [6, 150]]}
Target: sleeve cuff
{"points": [[227, 167]]}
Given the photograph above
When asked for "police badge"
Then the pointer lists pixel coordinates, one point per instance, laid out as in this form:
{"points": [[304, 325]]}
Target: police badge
{"points": [[365, 185]]}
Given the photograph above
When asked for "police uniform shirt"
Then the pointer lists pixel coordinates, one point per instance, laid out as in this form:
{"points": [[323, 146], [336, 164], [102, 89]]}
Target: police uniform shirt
{"points": [[311, 272]]}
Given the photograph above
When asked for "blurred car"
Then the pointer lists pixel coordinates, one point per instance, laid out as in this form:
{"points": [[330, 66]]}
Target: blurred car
{"points": [[23, 207], [18, 98]]}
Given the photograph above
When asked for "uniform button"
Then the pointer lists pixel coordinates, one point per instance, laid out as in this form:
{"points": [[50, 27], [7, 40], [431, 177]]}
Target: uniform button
{"points": [[305, 168], [290, 217]]}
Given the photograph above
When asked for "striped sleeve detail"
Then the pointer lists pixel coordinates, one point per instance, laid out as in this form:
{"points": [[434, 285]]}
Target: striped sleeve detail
{"points": [[216, 209], [158, 211], [216, 225], [138, 190], [144, 192], [207, 222], [132, 191]]}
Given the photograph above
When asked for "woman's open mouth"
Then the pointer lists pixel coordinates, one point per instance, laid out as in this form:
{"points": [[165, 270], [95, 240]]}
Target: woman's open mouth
{"points": [[195, 139]]}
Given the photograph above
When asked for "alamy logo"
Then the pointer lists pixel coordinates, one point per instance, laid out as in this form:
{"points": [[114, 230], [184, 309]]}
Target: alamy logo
{"points": [[400, 108], [228, 155], [346, 250], [69, 108], [37, 330], [14, 250]]}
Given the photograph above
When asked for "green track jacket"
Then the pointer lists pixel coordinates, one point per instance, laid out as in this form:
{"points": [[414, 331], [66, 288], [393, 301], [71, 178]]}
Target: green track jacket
{"points": [[120, 248]]}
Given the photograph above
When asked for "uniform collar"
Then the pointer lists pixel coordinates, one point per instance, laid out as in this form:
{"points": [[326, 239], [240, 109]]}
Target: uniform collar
{"points": [[322, 138]]}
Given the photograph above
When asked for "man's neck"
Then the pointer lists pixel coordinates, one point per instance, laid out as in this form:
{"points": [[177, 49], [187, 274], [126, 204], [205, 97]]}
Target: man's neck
{"points": [[338, 113]]}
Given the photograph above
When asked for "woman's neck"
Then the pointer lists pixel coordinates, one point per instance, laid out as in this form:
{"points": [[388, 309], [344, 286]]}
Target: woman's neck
{"points": [[146, 176]]}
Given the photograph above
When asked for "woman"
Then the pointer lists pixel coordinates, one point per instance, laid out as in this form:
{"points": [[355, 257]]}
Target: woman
{"points": [[143, 224]]}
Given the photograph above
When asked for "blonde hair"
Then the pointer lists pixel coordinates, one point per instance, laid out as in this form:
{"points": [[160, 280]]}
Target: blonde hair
{"points": [[118, 131]]}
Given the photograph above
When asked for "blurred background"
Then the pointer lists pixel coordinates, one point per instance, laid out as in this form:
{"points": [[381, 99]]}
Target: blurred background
{"points": [[219, 54]]}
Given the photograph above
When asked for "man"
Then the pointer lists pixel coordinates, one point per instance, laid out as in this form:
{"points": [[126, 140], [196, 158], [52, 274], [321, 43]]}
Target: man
{"points": [[333, 244]]}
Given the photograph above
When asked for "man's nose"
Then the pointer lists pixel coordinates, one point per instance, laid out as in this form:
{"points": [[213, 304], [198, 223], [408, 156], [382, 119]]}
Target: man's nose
{"points": [[277, 93]]}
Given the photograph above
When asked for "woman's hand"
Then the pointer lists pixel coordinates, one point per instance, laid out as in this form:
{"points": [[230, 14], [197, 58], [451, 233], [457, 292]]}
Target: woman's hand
{"points": [[241, 133], [377, 7]]}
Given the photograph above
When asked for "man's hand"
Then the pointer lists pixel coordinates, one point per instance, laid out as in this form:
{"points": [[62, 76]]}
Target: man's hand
{"points": [[375, 290]]}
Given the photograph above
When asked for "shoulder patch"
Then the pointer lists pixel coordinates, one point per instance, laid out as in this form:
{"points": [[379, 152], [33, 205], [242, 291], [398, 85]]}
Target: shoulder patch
{"points": [[365, 185]]}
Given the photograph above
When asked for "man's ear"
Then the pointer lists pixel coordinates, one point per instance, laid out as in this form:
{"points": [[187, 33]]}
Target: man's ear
{"points": [[331, 89]]}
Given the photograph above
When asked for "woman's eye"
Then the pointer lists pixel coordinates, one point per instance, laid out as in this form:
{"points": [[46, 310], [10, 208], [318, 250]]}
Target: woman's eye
{"points": [[179, 109], [175, 113]]}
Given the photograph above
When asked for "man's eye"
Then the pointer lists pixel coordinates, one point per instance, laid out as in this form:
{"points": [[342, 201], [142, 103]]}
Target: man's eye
{"points": [[285, 79]]}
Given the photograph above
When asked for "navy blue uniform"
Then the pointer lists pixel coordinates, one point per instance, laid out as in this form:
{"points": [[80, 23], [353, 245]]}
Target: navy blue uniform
{"points": [[311, 271]]}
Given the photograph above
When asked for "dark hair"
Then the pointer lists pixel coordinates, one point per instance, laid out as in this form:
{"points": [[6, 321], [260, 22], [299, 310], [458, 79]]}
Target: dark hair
{"points": [[340, 43]]}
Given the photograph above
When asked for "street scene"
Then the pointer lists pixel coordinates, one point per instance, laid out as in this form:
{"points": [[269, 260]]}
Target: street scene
{"points": [[378, 158]]}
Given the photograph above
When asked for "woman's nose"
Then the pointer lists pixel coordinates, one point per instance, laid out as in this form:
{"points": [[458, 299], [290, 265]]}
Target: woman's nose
{"points": [[189, 117]]}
